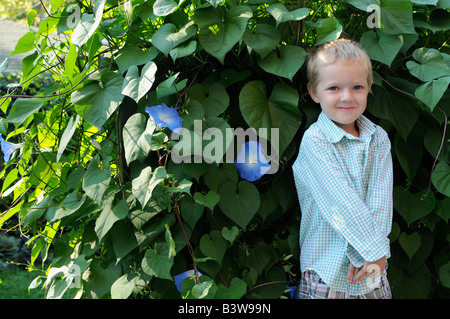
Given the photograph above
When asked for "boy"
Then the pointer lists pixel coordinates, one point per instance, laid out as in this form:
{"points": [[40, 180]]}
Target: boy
{"points": [[343, 176]]}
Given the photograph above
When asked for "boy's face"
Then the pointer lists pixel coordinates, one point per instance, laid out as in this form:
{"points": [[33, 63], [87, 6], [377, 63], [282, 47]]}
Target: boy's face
{"points": [[342, 92]]}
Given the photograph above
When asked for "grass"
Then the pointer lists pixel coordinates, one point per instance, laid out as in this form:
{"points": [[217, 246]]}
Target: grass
{"points": [[14, 284]]}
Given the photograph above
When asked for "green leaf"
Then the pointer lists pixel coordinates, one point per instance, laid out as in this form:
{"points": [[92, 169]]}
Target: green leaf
{"points": [[444, 274], [263, 40], [163, 8], [31, 16], [70, 205], [441, 178], [213, 245], [236, 289], [137, 137], [71, 59], [380, 46], [123, 287], [286, 63], [279, 111], [213, 98], [169, 87], [413, 206], [239, 202], [129, 56], [96, 179], [431, 64], [230, 235], [328, 29], [109, 216], [67, 135], [218, 36], [96, 101], [88, 25], [281, 13], [157, 262], [410, 243], [396, 17], [395, 108], [209, 200], [25, 43], [191, 211], [145, 183], [430, 93], [167, 37], [99, 280], [4, 65], [123, 238], [43, 169], [183, 50], [136, 86], [23, 108]]}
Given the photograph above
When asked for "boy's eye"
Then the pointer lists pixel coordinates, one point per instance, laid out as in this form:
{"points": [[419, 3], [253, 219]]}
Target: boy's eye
{"points": [[333, 88], [358, 87]]}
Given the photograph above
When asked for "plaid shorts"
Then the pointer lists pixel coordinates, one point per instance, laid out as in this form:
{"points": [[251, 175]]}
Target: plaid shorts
{"points": [[312, 287]]}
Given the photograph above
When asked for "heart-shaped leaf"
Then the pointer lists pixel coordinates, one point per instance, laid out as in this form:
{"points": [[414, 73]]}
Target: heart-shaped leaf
{"points": [[263, 40], [413, 206], [239, 202], [213, 245], [137, 137], [441, 178], [328, 29], [230, 235], [213, 98], [163, 8], [281, 13], [236, 289], [218, 36], [410, 243], [431, 64], [444, 274], [145, 183], [157, 262], [381, 46], [209, 200], [431, 92], [89, 23], [136, 86], [96, 101], [279, 111], [286, 63], [167, 37]]}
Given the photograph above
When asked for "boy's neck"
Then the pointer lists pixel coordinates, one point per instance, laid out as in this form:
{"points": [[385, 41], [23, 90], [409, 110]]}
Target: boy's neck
{"points": [[351, 128]]}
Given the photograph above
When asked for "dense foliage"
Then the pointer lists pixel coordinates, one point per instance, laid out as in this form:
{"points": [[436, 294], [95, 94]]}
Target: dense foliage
{"points": [[89, 170]]}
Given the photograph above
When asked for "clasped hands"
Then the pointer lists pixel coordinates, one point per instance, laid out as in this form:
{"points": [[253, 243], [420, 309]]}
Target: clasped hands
{"points": [[369, 269]]}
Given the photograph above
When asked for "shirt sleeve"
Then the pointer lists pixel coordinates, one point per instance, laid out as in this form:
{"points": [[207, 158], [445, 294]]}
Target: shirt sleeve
{"points": [[339, 204]]}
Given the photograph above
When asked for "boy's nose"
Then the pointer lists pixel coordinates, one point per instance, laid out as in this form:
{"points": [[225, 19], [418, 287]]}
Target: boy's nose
{"points": [[346, 96]]}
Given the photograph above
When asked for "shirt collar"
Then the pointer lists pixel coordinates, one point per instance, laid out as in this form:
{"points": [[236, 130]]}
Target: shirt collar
{"points": [[334, 133]]}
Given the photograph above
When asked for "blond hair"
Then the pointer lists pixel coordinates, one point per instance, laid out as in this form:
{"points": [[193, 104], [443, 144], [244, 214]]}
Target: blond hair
{"points": [[340, 50]]}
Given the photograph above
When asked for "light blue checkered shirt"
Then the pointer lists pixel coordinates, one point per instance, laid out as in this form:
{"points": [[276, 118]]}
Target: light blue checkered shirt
{"points": [[344, 186]]}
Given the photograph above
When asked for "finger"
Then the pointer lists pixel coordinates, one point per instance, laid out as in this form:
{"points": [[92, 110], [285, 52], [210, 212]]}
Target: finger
{"points": [[356, 275], [359, 277], [350, 272]]}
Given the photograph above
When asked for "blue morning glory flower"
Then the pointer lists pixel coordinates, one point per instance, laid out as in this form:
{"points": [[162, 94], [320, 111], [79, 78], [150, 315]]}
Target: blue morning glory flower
{"points": [[7, 148], [165, 116], [179, 278], [251, 162], [293, 291]]}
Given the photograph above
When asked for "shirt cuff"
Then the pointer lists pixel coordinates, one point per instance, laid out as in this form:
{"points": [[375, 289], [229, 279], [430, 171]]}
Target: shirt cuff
{"points": [[354, 257]]}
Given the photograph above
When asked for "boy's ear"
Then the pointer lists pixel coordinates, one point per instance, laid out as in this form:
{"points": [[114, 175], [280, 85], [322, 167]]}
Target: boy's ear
{"points": [[312, 93]]}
